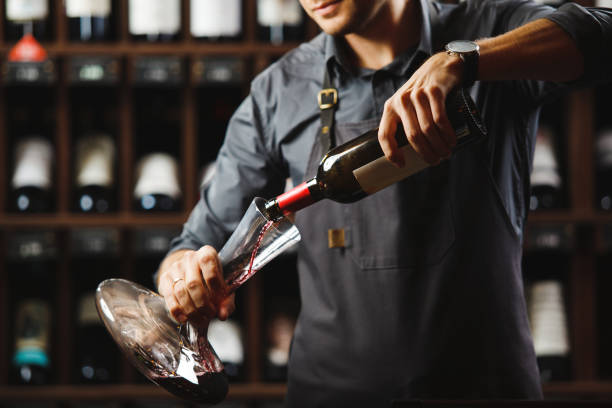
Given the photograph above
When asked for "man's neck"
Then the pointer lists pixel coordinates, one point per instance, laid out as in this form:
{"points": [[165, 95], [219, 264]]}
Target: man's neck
{"points": [[392, 31]]}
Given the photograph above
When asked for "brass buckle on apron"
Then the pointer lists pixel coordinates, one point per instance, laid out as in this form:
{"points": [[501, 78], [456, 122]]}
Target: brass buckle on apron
{"points": [[327, 98], [336, 238]]}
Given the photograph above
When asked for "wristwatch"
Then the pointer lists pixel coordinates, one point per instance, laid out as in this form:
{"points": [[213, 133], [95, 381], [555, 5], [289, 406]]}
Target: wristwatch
{"points": [[469, 52]]}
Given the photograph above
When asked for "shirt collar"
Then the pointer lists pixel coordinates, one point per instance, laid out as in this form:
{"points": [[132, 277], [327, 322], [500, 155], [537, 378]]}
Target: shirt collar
{"points": [[335, 53]]}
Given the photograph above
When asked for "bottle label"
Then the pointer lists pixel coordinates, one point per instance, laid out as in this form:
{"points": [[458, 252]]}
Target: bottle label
{"points": [[225, 337], [32, 333], [33, 161], [381, 173], [157, 173], [151, 17], [88, 314], [548, 319], [95, 155], [216, 18], [88, 8], [271, 13], [26, 10]]}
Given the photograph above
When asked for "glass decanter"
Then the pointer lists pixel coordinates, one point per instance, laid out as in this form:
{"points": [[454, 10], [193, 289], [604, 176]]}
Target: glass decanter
{"points": [[179, 357]]}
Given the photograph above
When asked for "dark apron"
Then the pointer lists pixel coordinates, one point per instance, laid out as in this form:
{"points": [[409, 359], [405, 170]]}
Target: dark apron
{"points": [[423, 299]]}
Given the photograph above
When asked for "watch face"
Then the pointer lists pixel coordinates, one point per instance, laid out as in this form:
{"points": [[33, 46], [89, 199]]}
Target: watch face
{"points": [[462, 46]]}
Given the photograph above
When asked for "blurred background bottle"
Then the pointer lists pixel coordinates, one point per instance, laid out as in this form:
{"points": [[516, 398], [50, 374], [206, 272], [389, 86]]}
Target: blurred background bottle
{"points": [[32, 175], [27, 17], [216, 20], [95, 174], [89, 20], [546, 181], [280, 21], [154, 20]]}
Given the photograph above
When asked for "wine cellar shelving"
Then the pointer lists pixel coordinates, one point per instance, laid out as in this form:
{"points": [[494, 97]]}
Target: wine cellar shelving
{"points": [[121, 71]]}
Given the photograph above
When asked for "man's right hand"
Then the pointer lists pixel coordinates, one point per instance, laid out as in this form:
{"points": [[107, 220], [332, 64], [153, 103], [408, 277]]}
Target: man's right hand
{"points": [[193, 287]]}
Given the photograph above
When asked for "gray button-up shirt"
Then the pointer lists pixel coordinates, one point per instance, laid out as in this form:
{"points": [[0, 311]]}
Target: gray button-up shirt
{"points": [[271, 134]]}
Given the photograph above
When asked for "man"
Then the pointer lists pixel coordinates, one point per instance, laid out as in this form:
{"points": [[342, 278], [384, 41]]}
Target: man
{"points": [[424, 298]]}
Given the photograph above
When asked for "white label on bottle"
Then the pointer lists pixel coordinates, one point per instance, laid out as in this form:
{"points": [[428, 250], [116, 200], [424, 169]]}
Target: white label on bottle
{"points": [[381, 173], [603, 3], [33, 321], [270, 12], [225, 337], [548, 319], [26, 10], [87, 8], [215, 18], [33, 161], [88, 314], [292, 13], [151, 17], [95, 156], [157, 173]]}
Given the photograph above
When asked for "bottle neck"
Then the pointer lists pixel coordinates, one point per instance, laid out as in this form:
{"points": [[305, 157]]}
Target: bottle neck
{"points": [[301, 196]]}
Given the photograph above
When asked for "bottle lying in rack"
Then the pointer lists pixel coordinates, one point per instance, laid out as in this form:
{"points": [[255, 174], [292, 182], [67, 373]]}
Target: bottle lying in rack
{"points": [[226, 339], [216, 20], [358, 168], [27, 17], [89, 20], [154, 20], [548, 322], [280, 21], [279, 332], [94, 171], [157, 183], [31, 358], [546, 183], [603, 151], [32, 175]]}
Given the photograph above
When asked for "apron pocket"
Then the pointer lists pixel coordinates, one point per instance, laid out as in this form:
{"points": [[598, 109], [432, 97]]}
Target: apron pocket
{"points": [[406, 225]]}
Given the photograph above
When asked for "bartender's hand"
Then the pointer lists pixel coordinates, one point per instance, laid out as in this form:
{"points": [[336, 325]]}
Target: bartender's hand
{"points": [[419, 106], [193, 287]]}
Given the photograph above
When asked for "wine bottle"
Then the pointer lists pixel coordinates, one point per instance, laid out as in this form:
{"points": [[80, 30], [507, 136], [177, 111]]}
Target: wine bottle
{"points": [[548, 322], [27, 17], [89, 20], [280, 21], [358, 168], [603, 151], [154, 20], [225, 337], [545, 178], [31, 183], [216, 20], [157, 183], [31, 358], [94, 170], [279, 332], [95, 364]]}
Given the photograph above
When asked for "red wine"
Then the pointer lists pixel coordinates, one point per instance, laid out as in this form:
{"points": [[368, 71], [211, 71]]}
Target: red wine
{"points": [[358, 168], [239, 274], [210, 389]]}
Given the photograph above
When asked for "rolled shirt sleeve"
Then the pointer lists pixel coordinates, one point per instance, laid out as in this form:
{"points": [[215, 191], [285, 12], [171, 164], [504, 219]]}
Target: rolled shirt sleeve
{"points": [[591, 29]]}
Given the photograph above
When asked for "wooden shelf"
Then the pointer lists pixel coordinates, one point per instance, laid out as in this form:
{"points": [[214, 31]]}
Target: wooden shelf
{"points": [[178, 48], [251, 391], [64, 220], [257, 391]]}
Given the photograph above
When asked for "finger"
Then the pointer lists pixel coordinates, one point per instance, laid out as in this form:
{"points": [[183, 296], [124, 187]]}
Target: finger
{"points": [[211, 273], [428, 127], [386, 135], [413, 131], [195, 285], [438, 110], [174, 308], [179, 289], [227, 307]]}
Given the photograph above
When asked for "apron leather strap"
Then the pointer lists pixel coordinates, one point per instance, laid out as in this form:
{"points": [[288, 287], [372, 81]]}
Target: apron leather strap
{"points": [[328, 101]]}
